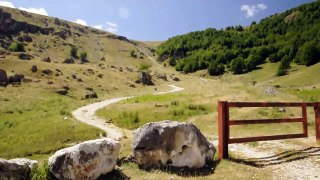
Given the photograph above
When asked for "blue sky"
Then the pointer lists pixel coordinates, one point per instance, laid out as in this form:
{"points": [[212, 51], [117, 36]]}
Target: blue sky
{"points": [[156, 19]]}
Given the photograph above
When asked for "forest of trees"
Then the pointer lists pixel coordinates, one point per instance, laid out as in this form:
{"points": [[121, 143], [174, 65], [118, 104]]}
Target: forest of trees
{"points": [[292, 36]]}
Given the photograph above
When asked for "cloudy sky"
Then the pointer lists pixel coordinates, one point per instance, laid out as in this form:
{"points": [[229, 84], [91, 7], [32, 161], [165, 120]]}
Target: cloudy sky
{"points": [[156, 19]]}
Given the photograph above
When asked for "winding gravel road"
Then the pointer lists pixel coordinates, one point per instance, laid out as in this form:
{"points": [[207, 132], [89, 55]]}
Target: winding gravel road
{"points": [[87, 115]]}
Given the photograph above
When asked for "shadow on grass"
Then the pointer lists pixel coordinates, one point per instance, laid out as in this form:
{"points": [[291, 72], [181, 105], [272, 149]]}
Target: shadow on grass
{"points": [[287, 156], [208, 169], [114, 175]]}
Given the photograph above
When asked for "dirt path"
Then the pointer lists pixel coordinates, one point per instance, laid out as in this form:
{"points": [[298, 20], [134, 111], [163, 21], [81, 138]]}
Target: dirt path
{"points": [[87, 115], [284, 159]]}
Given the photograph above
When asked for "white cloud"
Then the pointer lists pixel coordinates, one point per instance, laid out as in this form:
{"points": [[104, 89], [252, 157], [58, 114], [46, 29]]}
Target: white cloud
{"points": [[112, 27], [252, 10], [40, 11], [98, 26], [6, 4], [262, 6], [81, 21], [123, 13]]}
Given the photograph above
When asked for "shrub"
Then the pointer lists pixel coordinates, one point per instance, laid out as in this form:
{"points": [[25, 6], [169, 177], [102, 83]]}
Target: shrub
{"points": [[133, 54], [284, 66], [144, 66], [73, 51], [16, 47], [83, 56]]}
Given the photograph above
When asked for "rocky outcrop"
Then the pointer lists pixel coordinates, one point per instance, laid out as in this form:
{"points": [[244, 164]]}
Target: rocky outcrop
{"points": [[121, 38], [87, 160], [145, 79], [91, 94], [171, 143], [9, 26], [162, 76], [25, 56], [16, 168], [69, 61], [3, 78], [16, 79]]}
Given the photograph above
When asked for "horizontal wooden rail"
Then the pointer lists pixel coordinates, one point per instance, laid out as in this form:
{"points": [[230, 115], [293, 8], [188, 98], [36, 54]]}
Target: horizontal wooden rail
{"points": [[268, 104], [265, 121], [266, 138]]}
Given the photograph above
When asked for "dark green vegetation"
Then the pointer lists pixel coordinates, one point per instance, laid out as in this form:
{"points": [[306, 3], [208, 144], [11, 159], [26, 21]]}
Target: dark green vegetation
{"points": [[292, 36], [16, 47]]}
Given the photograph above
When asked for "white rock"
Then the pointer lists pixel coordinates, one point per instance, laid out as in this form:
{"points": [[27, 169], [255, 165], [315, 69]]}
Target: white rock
{"points": [[16, 168], [87, 160], [171, 143], [32, 164]]}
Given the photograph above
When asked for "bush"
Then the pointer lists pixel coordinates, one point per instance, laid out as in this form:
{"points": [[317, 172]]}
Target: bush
{"points": [[144, 66], [308, 54], [172, 61], [83, 56], [16, 47], [133, 54], [74, 51]]}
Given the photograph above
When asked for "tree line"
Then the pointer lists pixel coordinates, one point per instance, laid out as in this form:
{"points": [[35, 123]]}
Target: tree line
{"points": [[290, 37]]}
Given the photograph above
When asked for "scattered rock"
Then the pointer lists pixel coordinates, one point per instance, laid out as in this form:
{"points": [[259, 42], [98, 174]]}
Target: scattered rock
{"points": [[66, 88], [175, 79], [145, 79], [62, 92], [50, 82], [87, 160], [47, 71], [46, 59], [27, 38], [121, 38], [16, 79], [74, 76], [100, 75], [270, 91], [102, 58], [25, 56], [91, 94], [80, 80], [90, 71], [162, 76], [171, 143], [69, 61], [3, 78], [16, 168], [34, 68]]}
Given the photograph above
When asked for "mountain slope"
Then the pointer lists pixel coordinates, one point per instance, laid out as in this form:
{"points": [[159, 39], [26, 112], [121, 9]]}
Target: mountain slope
{"points": [[289, 36]]}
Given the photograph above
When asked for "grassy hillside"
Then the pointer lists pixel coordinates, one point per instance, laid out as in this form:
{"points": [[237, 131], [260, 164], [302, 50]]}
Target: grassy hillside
{"points": [[32, 114], [291, 36]]}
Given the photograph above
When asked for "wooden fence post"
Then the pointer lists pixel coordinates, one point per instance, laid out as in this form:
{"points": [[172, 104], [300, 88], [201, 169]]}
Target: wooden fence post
{"points": [[223, 129], [317, 120]]}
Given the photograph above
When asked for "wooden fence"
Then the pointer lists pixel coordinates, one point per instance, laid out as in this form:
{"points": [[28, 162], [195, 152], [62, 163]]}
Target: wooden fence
{"points": [[224, 123]]}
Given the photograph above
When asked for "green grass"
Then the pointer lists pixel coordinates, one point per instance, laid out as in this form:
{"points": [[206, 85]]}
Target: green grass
{"points": [[37, 126], [135, 112]]}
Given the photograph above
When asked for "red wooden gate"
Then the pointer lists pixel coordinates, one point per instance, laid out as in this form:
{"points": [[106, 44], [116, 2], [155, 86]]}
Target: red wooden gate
{"points": [[224, 122]]}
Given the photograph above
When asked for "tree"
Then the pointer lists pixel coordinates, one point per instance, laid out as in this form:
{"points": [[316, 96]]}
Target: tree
{"points": [[237, 65], [74, 51], [215, 69], [308, 54], [284, 66]]}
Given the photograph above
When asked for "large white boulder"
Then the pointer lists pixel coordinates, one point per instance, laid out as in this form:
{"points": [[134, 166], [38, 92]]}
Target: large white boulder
{"points": [[171, 143], [19, 168], [87, 160]]}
